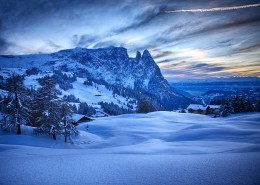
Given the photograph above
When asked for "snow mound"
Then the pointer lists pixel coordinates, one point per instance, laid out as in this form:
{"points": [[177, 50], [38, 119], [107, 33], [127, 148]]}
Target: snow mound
{"points": [[113, 150], [174, 133], [156, 133]]}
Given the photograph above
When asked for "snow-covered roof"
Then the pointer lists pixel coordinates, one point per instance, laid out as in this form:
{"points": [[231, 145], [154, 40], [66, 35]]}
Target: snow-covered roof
{"points": [[77, 117], [214, 106], [197, 107]]}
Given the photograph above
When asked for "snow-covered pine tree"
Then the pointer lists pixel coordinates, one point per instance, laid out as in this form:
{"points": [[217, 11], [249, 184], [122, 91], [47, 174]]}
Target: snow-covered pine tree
{"points": [[50, 119], [114, 109], [56, 112], [15, 106], [6, 123], [85, 109], [48, 91], [67, 128], [145, 105], [36, 109], [248, 106], [226, 108], [257, 105]]}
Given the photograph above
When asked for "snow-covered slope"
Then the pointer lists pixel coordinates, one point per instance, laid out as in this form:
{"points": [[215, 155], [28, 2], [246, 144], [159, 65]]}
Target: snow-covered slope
{"points": [[155, 148], [92, 94], [106, 66], [175, 133], [162, 133]]}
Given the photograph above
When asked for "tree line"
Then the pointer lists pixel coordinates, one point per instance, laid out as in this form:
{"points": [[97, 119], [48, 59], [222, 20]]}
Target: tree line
{"points": [[39, 108], [235, 105]]}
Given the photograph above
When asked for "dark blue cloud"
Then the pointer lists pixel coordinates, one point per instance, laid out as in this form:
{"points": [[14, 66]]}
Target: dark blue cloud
{"points": [[144, 18], [54, 45], [252, 47], [3, 42], [52, 25], [83, 40], [207, 67]]}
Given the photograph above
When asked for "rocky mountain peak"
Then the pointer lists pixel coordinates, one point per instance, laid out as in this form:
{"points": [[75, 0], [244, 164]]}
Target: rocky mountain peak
{"points": [[107, 66], [146, 54], [147, 58], [138, 55]]}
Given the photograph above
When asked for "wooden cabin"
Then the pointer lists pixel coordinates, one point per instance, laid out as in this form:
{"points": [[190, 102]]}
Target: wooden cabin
{"points": [[80, 118]]}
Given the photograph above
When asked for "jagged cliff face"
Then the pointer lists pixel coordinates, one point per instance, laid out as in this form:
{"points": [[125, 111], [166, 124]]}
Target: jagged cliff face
{"points": [[112, 65]]}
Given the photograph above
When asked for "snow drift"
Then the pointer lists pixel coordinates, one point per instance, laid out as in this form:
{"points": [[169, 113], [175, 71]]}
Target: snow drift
{"points": [[155, 148]]}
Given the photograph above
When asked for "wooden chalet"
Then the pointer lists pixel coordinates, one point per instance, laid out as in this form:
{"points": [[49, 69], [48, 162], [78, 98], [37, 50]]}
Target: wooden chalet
{"points": [[80, 118], [198, 109]]}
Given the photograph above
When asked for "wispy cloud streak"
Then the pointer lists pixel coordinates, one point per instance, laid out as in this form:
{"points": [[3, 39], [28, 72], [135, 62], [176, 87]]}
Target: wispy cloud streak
{"points": [[215, 9]]}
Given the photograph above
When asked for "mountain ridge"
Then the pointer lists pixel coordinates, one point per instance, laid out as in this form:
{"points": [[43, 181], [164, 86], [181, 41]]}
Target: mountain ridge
{"points": [[106, 66]]}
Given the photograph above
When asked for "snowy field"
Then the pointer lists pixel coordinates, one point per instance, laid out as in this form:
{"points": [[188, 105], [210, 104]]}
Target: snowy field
{"points": [[154, 148]]}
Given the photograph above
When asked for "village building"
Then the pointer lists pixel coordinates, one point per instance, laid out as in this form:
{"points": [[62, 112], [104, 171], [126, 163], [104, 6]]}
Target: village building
{"points": [[79, 118], [214, 109], [201, 109], [198, 109]]}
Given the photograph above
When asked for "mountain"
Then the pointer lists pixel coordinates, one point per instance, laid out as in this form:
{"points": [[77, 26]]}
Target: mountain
{"points": [[109, 70]]}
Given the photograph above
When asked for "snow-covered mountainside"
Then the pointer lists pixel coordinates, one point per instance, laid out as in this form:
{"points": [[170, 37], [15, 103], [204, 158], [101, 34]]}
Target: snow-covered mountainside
{"points": [[109, 67]]}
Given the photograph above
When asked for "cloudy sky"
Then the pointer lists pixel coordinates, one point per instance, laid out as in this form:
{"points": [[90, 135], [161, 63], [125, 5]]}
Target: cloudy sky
{"points": [[187, 38]]}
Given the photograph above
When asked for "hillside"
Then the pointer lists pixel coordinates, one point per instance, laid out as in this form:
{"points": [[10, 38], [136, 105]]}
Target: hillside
{"points": [[107, 71]]}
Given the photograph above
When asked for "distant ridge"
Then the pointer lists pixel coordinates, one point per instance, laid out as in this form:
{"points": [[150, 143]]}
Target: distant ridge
{"points": [[109, 66]]}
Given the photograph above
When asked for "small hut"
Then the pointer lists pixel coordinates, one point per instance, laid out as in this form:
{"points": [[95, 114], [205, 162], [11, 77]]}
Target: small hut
{"points": [[79, 118]]}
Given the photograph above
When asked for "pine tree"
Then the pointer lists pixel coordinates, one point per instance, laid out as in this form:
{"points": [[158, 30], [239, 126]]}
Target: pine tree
{"points": [[36, 109], [226, 108], [47, 91], [257, 105], [145, 105], [15, 106], [5, 126], [49, 119], [67, 128]]}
